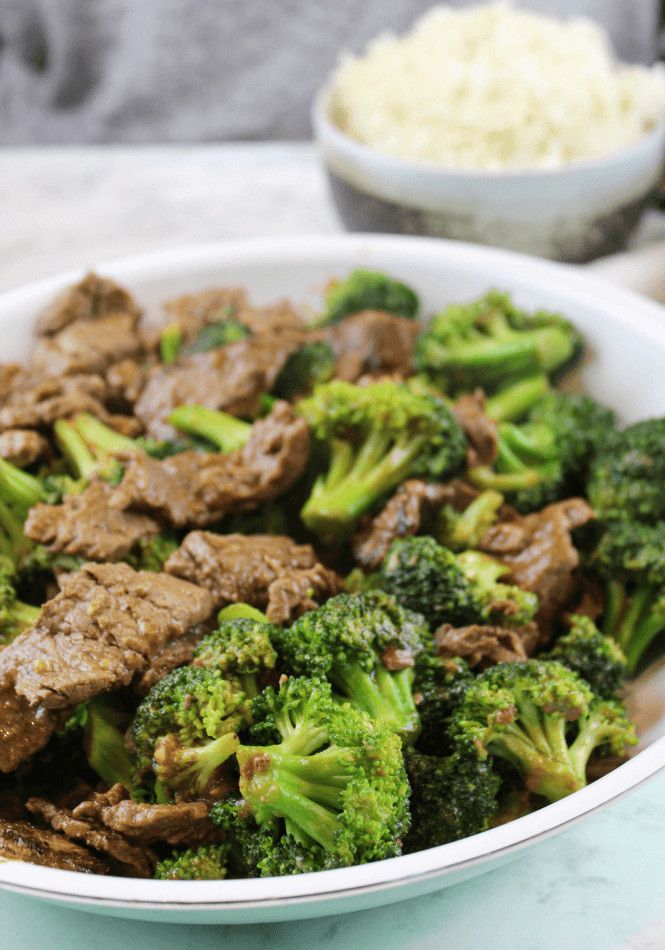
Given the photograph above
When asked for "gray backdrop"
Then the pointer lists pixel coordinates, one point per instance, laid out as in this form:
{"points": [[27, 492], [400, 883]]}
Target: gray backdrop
{"points": [[76, 71]]}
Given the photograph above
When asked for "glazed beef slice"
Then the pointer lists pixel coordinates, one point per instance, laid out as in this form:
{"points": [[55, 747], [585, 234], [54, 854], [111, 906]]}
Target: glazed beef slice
{"points": [[85, 525], [193, 311], [24, 730], [372, 342], [271, 572], [92, 298], [103, 628], [22, 841], [79, 348], [196, 489], [36, 400], [231, 377]]}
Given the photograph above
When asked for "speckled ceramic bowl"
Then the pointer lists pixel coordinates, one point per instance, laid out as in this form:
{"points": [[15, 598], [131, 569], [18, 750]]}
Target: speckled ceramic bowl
{"points": [[574, 213], [624, 368]]}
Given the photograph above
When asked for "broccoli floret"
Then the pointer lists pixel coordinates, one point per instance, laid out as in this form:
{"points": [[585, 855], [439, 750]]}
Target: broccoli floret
{"points": [[184, 730], [15, 616], [335, 778], [248, 843], [544, 720], [490, 343], [366, 290], [205, 863], [269, 518], [150, 554], [453, 588], [439, 687], [626, 477], [548, 456], [311, 364], [376, 436], [630, 559], [452, 797], [224, 431], [241, 648], [460, 530], [226, 330], [367, 645], [598, 659]]}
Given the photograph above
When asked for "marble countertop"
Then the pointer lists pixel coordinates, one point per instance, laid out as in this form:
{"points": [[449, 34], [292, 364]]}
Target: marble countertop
{"points": [[598, 886]]}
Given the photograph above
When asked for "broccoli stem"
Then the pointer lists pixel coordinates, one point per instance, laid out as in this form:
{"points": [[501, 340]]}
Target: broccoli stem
{"points": [[104, 745], [80, 459], [353, 484], [542, 760], [191, 767], [223, 430], [384, 695], [103, 437], [20, 490], [241, 612], [170, 342], [513, 402], [482, 476], [13, 543]]}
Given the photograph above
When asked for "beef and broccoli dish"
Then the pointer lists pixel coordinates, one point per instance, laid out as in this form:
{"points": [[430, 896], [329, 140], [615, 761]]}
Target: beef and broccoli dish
{"points": [[283, 592]]}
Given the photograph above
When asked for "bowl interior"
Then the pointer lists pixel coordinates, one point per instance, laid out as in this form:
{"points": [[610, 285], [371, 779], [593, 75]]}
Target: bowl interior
{"points": [[626, 338]]}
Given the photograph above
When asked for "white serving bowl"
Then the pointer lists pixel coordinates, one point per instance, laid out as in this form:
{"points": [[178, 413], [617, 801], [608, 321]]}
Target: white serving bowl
{"points": [[574, 213], [626, 338]]}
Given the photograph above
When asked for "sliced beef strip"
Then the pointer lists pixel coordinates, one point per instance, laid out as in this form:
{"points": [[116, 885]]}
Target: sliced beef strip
{"points": [[196, 489], [102, 629], [405, 514], [183, 824], [36, 401], [542, 558], [231, 378], [85, 525], [9, 373], [130, 860], [125, 380], [479, 429], [297, 591], [92, 298], [238, 568], [484, 645], [23, 730], [82, 349], [23, 841], [372, 342], [22, 447], [193, 311]]}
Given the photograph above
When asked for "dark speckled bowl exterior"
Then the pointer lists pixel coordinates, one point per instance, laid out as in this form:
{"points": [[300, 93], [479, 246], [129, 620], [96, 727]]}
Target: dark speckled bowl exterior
{"points": [[572, 214]]}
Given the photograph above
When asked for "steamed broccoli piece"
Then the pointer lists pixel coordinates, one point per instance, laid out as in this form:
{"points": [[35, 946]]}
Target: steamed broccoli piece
{"points": [[150, 554], [366, 290], [547, 457], [86, 458], [226, 330], [334, 778], [170, 342], [452, 797], [517, 399], [367, 646], [311, 364], [598, 659], [460, 530], [109, 447], [241, 648], [269, 518], [439, 687], [15, 616], [248, 843], [490, 343], [630, 559], [375, 436], [544, 720], [453, 588], [626, 477], [207, 862], [224, 431], [184, 730], [104, 742]]}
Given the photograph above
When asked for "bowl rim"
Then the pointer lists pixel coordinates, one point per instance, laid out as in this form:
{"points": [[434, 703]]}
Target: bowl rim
{"points": [[331, 136], [299, 892]]}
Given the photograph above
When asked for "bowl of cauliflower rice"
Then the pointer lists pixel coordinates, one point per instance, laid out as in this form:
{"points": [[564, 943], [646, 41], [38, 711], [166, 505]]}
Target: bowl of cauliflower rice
{"points": [[496, 125]]}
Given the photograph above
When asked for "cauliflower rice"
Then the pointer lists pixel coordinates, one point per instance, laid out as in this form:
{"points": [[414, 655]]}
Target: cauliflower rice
{"points": [[494, 87]]}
